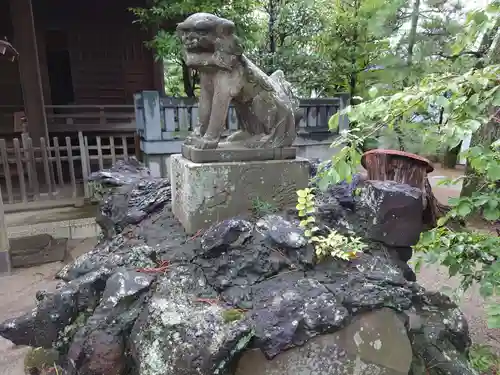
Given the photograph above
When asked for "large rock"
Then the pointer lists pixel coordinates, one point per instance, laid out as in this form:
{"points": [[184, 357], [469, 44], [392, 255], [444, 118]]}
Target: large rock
{"points": [[374, 343], [128, 194], [153, 300], [396, 212], [98, 347], [180, 333]]}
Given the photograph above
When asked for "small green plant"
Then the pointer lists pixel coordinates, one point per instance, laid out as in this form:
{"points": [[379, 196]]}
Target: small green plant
{"points": [[484, 359], [471, 255], [232, 315], [39, 359], [261, 207], [334, 244]]}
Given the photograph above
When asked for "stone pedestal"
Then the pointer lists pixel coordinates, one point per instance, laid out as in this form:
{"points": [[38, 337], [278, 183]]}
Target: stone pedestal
{"points": [[204, 193]]}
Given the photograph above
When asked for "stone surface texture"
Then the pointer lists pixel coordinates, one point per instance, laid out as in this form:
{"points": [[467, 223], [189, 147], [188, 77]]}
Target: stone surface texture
{"points": [[237, 154], [203, 194], [374, 343], [395, 209], [265, 105], [245, 297]]}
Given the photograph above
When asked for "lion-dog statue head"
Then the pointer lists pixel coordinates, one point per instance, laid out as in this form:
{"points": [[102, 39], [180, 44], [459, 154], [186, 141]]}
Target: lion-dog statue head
{"points": [[209, 41]]}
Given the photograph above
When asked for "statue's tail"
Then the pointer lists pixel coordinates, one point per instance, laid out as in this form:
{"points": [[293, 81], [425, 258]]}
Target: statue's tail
{"points": [[279, 77]]}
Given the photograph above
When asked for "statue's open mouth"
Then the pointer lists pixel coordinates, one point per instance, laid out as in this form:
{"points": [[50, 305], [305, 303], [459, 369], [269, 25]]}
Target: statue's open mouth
{"points": [[196, 47]]}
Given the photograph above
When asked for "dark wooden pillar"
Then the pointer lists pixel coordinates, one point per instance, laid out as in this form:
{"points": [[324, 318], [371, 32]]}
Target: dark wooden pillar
{"points": [[158, 76], [29, 67], [158, 69]]}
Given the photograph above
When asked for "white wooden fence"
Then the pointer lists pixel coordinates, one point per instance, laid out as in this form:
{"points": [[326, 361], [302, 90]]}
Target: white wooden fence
{"points": [[57, 168]]}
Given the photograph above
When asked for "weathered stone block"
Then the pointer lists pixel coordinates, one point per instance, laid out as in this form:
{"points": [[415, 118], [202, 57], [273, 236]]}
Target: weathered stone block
{"points": [[203, 194], [396, 210]]}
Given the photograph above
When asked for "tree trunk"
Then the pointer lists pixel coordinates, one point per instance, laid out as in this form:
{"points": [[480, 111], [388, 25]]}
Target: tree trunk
{"points": [[485, 136], [451, 156], [354, 66], [271, 26], [412, 37], [186, 79], [490, 132]]}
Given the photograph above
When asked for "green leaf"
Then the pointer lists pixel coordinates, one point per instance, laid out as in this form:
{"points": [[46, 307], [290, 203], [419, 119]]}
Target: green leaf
{"points": [[473, 100], [333, 177], [464, 209], [343, 170], [486, 289], [373, 91], [482, 200], [473, 125], [442, 221], [418, 264], [442, 101], [323, 183], [302, 193], [494, 172], [491, 214], [453, 269], [333, 122]]}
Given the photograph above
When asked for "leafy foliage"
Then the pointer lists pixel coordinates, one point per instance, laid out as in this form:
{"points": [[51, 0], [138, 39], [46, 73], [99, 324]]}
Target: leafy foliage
{"points": [[465, 101], [322, 46], [472, 255], [484, 360], [333, 244], [163, 16], [262, 207], [446, 106]]}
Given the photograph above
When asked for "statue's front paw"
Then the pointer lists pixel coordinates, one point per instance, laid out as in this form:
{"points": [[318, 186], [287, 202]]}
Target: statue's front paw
{"points": [[204, 143], [197, 131]]}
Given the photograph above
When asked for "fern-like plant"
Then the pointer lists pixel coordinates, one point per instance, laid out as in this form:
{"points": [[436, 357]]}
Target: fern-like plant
{"points": [[334, 244]]}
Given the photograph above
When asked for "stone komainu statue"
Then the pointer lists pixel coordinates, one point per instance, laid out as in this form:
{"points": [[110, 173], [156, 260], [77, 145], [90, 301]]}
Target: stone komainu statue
{"points": [[265, 105]]}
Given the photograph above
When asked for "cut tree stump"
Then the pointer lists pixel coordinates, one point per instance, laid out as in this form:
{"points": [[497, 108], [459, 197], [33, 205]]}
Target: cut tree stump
{"points": [[405, 168]]}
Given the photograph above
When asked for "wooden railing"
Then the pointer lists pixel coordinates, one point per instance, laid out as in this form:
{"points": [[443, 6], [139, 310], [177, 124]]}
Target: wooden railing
{"points": [[85, 138], [90, 118], [56, 168]]}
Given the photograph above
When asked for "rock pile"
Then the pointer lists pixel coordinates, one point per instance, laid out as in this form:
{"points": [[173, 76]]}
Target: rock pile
{"points": [[247, 297]]}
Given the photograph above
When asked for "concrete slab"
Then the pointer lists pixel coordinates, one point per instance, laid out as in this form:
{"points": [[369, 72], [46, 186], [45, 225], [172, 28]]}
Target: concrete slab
{"points": [[62, 222], [50, 215], [35, 250]]}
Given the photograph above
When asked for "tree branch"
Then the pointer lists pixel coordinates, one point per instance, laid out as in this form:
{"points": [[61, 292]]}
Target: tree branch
{"points": [[476, 54]]}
